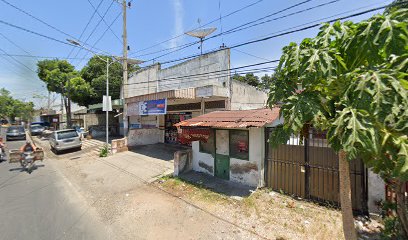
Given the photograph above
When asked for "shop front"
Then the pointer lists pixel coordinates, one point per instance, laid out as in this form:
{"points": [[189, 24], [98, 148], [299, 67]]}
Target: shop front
{"points": [[152, 117]]}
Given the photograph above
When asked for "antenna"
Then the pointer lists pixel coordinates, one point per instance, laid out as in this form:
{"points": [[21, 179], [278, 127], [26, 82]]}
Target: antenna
{"points": [[201, 33]]}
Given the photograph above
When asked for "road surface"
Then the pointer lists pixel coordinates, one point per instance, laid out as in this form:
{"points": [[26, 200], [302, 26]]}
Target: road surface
{"points": [[43, 205]]}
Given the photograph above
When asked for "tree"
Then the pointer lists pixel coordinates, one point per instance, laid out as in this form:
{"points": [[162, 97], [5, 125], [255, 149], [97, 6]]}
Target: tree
{"points": [[266, 81], [94, 73], [249, 78], [351, 80], [57, 74], [11, 108]]}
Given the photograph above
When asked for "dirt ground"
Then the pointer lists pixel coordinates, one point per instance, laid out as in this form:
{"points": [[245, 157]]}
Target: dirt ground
{"points": [[268, 213], [131, 198]]}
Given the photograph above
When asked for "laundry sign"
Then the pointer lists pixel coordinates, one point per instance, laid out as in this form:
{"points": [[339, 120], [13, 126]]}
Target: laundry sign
{"points": [[153, 107]]}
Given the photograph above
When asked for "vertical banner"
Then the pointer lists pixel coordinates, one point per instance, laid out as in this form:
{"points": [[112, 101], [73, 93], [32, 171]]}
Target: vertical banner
{"points": [[153, 107], [107, 104]]}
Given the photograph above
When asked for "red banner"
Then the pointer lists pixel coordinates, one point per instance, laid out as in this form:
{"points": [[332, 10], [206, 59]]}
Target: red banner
{"points": [[188, 135]]}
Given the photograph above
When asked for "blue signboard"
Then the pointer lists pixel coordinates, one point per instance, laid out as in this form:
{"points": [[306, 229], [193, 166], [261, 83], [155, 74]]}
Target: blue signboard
{"points": [[153, 107]]}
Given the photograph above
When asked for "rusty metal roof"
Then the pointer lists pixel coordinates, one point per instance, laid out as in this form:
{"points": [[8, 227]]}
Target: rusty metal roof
{"points": [[233, 119]]}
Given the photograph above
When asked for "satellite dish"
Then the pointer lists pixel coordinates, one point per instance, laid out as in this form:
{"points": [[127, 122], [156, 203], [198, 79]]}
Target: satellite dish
{"points": [[201, 34]]}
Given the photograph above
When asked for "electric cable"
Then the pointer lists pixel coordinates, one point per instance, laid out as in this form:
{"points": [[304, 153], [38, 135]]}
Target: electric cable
{"points": [[212, 21], [94, 29], [104, 21], [86, 26], [238, 28], [36, 33]]}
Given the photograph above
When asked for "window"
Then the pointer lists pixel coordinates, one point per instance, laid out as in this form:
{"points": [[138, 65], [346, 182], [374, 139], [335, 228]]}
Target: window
{"points": [[66, 134], [239, 144], [208, 147]]}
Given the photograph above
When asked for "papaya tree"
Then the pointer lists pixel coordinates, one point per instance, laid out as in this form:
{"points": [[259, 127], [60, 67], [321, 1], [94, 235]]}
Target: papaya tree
{"points": [[351, 81]]}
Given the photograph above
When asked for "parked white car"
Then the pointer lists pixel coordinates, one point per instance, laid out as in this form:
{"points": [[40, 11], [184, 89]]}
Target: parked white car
{"points": [[65, 139]]}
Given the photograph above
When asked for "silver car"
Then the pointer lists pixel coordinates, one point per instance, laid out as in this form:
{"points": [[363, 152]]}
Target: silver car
{"points": [[65, 139], [36, 130], [15, 133]]}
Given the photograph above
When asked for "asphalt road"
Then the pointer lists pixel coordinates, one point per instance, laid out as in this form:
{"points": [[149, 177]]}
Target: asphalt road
{"points": [[43, 205]]}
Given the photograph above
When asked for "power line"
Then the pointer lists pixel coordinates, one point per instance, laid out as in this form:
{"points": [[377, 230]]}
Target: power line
{"points": [[37, 56], [15, 44], [36, 33], [100, 38], [249, 54], [195, 79], [218, 71], [18, 61], [215, 20], [238, 28], [308, 27], [86, 26], [103, 19], [286, 32], [242, 27], [94, 29], [6, 60], [38, 19]]}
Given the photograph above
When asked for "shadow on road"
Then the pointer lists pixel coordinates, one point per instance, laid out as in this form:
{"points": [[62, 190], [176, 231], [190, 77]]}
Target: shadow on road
{"points": [[23, 169]]}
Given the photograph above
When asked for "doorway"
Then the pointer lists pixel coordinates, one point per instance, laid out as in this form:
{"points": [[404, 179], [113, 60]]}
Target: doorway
{"points": [[222, 160]]}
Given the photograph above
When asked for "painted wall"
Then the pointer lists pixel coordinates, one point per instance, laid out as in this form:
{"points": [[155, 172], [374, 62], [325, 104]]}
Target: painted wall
{"points": [[248, 172], [144, 136], [143, 82], [376, 191], [202, 162], [245, 97], [155, 79]]}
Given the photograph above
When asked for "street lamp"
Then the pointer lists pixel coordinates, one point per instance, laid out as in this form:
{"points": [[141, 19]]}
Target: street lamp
{"points": [[131, 61], [107, 85]]}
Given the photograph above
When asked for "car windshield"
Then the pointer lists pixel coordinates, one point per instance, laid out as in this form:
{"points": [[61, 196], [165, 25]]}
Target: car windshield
{"points": [[66, 134], [35, 127], [16, 129]]}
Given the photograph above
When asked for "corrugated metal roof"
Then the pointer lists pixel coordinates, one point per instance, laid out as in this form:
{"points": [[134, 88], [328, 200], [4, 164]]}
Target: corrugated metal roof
{"points": [[233, 119]]}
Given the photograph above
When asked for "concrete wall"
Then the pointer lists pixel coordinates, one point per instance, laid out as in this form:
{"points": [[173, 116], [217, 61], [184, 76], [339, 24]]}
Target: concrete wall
{"points": [[376, 191], [248, 172], [202, 162], [245, 97], [155, 79], [93, 119], [143, 82], [182, 162], [144, 136]]}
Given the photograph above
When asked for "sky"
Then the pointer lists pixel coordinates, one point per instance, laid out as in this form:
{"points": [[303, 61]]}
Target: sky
{"points": [[154, 27]]}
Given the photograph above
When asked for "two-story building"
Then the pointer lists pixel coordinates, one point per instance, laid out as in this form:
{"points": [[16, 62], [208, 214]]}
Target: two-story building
{"points": [[158, 98]]}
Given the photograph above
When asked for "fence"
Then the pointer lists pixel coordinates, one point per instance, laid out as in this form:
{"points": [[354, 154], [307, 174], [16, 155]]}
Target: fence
{"points": [[308, 168]]}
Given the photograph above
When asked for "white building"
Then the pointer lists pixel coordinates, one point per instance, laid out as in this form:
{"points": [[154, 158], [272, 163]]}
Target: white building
{"points": [[183, 91]]}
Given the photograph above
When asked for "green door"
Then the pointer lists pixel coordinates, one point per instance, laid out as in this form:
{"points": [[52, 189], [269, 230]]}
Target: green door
{"points": [[222, 160], [222, 164]]}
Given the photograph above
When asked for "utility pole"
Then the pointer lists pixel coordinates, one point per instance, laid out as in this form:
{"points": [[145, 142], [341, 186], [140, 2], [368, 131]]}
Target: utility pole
{"points": [[125, 70]]}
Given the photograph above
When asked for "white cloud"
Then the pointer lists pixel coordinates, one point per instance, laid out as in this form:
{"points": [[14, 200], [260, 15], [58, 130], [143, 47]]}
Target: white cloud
{"points": [[178, 10]]}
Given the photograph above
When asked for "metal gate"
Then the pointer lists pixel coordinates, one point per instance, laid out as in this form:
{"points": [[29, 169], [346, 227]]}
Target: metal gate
{"points": [[308, 168]]}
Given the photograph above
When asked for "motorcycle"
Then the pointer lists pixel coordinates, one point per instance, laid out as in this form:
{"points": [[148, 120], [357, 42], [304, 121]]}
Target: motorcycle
{"points": [[27, 161]]}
